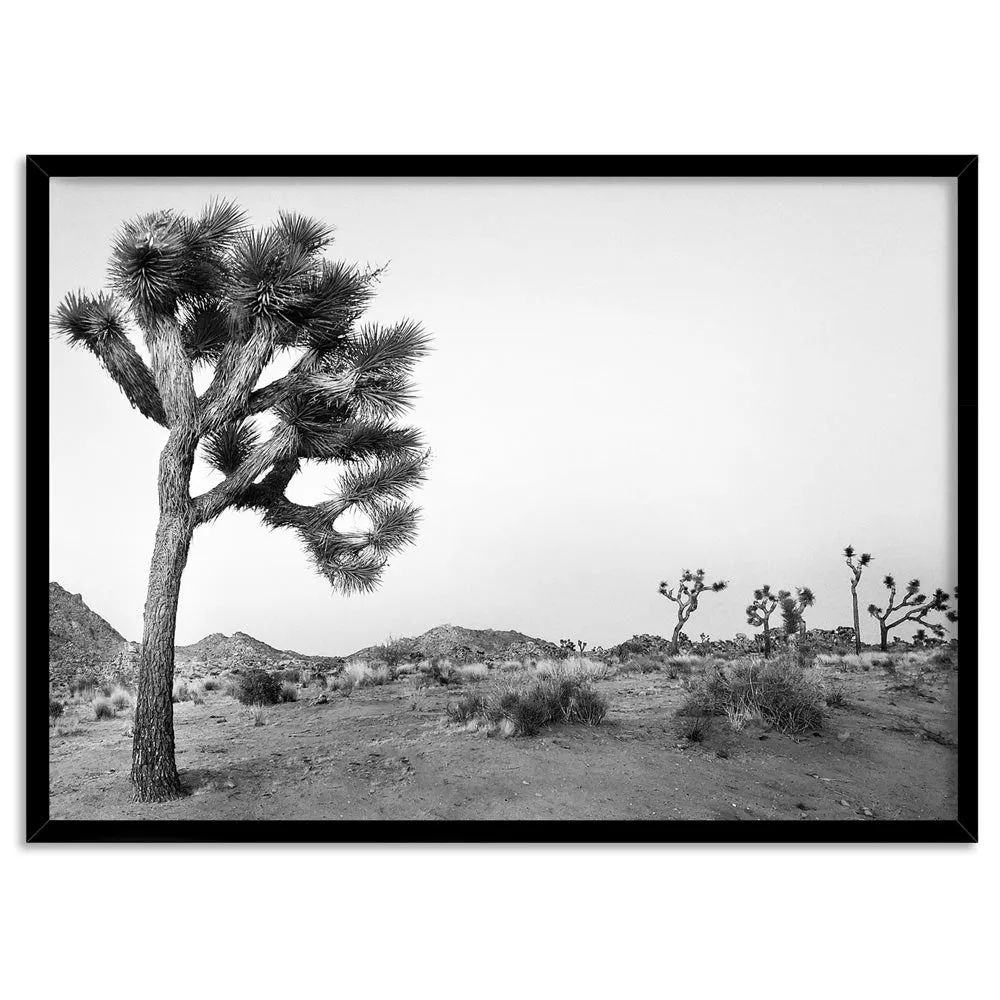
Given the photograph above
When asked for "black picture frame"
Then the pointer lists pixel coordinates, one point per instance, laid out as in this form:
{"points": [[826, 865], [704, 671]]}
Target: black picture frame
{"points": [[41, 829]]}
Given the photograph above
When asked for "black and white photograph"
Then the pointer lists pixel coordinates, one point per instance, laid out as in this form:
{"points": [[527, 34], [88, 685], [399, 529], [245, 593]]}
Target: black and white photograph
{"points": [[418, 500]]}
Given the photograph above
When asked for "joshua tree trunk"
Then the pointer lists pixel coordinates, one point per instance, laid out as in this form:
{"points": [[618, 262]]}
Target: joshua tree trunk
{"points": [[675, 642], [767, 640], [154, 772], [857, 620], [884, 644]]}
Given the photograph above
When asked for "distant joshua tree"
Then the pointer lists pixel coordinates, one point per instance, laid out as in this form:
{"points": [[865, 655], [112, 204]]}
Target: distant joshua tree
{"points": [[760, 610], [570, 648], [915, 607], [856, 566], [212, 291], [793, 610], [685, 596]]}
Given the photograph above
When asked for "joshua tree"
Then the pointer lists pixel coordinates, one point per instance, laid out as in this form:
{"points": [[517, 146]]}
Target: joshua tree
{"points": [[760, 611], [856, 566], [914, 607], [689, 589], [793, 610], [211, 291]]}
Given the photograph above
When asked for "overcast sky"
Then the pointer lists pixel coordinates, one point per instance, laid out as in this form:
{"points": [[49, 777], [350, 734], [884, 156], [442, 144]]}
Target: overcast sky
{"points": [[629, 378]]}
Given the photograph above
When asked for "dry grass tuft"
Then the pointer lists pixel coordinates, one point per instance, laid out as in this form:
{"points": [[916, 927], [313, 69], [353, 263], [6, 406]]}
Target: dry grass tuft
{"points": [[121, 698], [103, 709]]}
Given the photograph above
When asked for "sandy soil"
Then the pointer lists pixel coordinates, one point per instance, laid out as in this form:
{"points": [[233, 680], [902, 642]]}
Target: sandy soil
{"points": [[888, 754]]}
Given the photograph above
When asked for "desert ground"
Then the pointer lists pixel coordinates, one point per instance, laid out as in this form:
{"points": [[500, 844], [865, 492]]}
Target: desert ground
{"points": [[886, 749]]}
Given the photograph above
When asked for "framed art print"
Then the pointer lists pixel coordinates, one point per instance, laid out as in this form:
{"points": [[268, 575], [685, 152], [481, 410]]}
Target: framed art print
{"points": [[503, 498]]}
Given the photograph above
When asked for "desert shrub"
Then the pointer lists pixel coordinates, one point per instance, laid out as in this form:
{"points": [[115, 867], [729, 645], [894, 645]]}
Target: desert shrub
{"points": [[525, 702], [258, 687], [943, 658], [197, 694], [642, 664], [473, 671], [529, 713], [105, 689], [777, 690], [258, 713], [393, 652], [441, 671], [56, 709], [289, 692], [182, 691], [231, 685], [590, 707], [291, 674], [345, 685], [694, 728], [835, 696], [358, 673], [738, 717], [212, 683], [103, 709], [468, 707], [121, 698]]}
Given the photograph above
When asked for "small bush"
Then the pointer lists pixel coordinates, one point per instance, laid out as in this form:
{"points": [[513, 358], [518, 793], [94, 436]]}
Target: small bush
{"points": [[197, 694], [56, 709], [259, 715], [777, 691], [103, 709], [529, 714], [468, 707], [121, 698], [182, 691], [212, 683], [289, 692], [695, 728], [291, 674], [590, 708], [258, 687], [835, 696], [943, 658], [473, 672], [441, 672], [524, 703]]}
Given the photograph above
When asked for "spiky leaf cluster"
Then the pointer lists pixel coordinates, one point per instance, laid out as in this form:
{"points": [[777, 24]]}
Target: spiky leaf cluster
{"points": [[209, 290]]}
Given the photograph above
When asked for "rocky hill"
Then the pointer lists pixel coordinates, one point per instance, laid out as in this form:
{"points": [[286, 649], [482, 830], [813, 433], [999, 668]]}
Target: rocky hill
{"points": [[218, 653], [460, 643], [82, 642]]}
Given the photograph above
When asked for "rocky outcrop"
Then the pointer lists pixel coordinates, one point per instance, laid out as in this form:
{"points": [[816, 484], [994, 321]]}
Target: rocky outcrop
{"points": [[467, 644], [82, 643]]}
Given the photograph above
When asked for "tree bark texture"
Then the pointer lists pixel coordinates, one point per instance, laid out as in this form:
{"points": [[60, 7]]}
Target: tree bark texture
{"points": [[675, 642], [857, 620], [154, 771]]}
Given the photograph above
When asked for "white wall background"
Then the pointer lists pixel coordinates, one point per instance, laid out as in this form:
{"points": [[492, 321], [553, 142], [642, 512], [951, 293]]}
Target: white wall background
{"points": [[718, 77]]}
